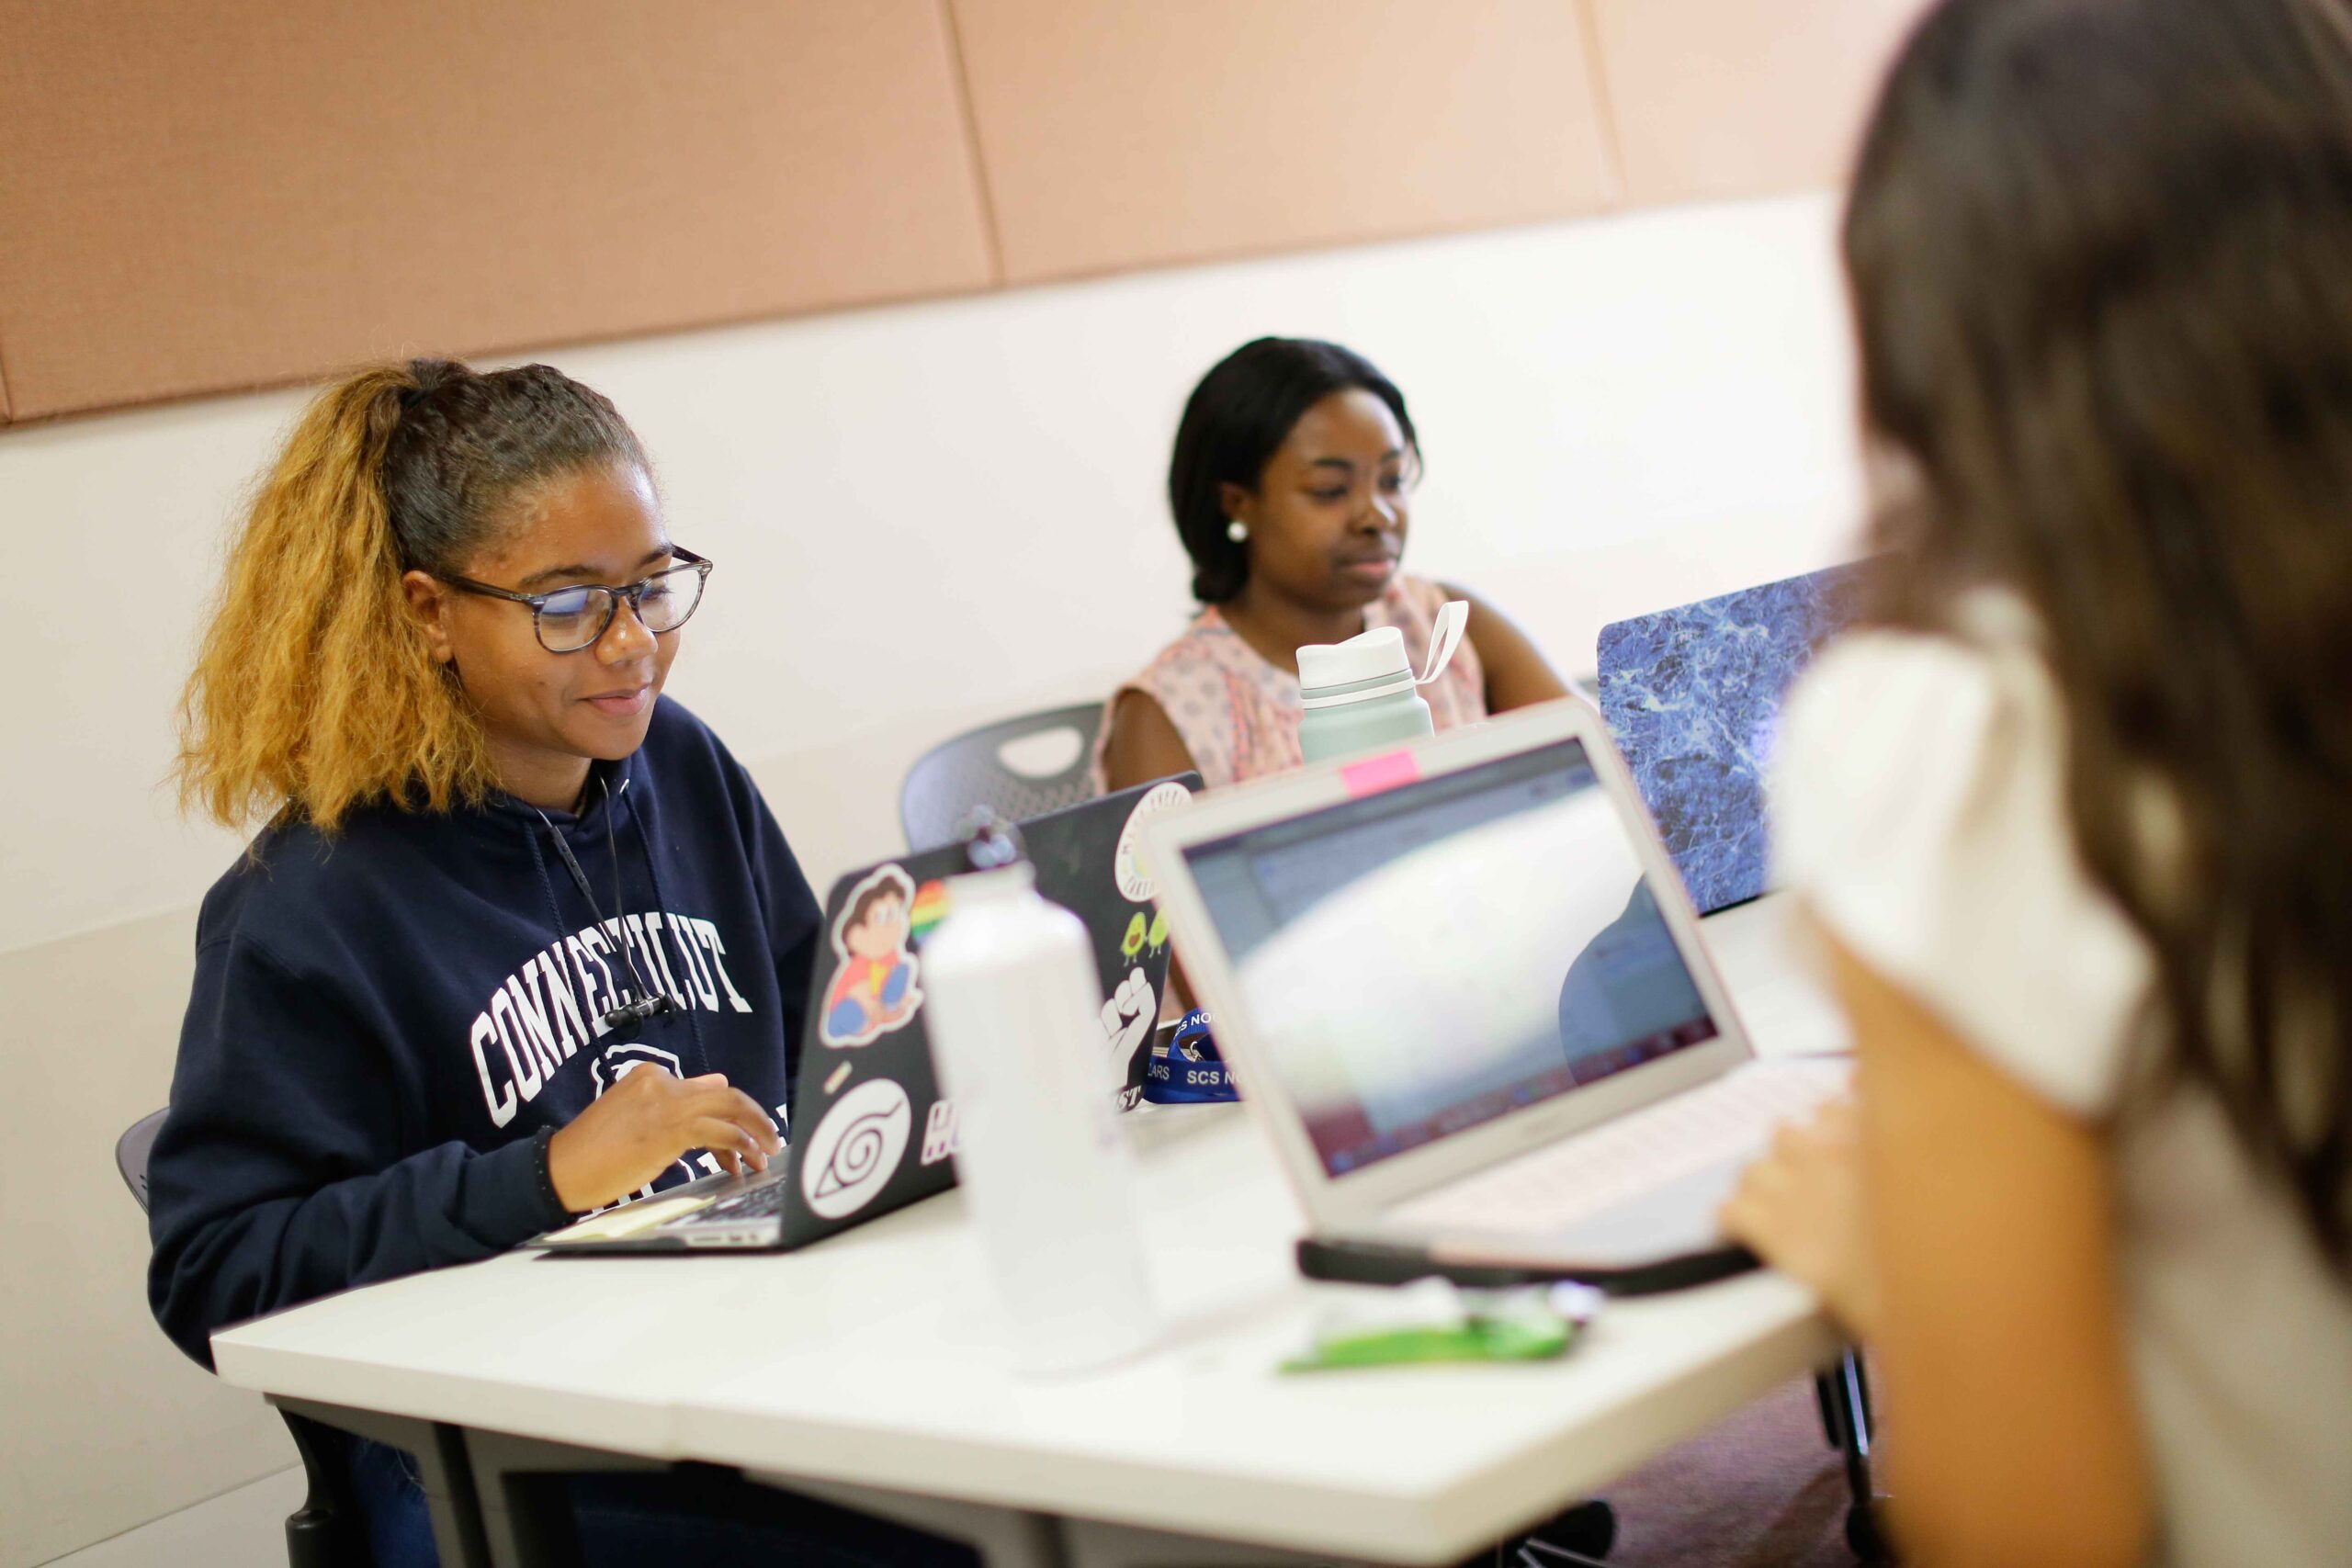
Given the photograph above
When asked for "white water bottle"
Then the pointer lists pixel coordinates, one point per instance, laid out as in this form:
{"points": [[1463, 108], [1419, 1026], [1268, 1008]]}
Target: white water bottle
{"points": [[1360, 695], [1013, 1003]]}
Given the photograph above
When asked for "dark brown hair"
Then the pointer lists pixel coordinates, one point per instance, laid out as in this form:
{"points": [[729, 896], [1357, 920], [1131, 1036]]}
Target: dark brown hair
{"points": [[1235, 422], [2101, 261]]}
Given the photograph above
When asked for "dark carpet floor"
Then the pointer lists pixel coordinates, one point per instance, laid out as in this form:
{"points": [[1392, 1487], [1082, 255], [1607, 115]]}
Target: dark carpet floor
{"points": [[1763, 1490]]}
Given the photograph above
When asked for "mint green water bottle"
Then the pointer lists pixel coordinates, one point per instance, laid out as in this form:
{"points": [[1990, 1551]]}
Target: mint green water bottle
{"points": [[1361, 696]]}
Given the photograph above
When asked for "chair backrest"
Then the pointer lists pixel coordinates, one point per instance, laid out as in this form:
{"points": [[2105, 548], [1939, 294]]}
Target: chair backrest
{"points": [[995, 766], [324, 1531], [132, 1149]]}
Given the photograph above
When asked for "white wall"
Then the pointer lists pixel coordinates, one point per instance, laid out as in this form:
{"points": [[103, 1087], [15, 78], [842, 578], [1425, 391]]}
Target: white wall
{"points": [[925, 517]]}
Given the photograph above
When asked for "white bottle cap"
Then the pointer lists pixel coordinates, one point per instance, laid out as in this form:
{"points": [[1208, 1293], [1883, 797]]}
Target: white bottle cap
{"points": [[1378, 654]]}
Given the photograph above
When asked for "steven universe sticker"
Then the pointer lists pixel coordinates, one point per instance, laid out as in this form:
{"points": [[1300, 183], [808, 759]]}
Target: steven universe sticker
{"points": [[875, 990]]}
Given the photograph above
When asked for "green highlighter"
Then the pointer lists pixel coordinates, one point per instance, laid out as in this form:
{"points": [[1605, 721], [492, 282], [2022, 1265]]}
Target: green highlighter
{"points": [[1433, 1320]]}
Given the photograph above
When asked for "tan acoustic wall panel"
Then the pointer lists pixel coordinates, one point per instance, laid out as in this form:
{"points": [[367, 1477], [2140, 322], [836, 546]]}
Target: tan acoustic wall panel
{"points": [[196, 196], [1121, 135], [1742, 97]]}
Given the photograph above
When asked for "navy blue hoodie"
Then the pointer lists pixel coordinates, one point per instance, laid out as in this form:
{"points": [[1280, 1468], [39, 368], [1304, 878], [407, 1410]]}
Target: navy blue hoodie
{"points": [[383, 1020]]}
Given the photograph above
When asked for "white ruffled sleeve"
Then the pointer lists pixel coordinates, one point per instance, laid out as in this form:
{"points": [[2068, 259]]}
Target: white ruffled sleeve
{"points": [[1918, 813]]}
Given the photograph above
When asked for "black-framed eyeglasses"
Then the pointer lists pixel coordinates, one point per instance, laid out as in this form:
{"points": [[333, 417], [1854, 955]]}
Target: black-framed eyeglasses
{"points": [[569, 619]]}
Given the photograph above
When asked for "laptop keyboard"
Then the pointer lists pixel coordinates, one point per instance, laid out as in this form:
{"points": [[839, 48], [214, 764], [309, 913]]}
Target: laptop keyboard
{"points": [[752, 1203], [1588, 1173]]}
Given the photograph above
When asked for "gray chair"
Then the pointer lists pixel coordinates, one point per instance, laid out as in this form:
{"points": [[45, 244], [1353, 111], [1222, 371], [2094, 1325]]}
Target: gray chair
{"points": [[131, 1152], [325, 1532], [984, 767]]}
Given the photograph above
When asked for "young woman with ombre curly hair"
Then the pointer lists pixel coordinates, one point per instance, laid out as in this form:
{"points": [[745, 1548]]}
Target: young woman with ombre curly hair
{"points": [[517, 937]]}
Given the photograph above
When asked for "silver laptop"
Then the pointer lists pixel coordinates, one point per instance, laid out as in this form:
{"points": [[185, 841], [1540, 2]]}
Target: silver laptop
{"points": [[1465, 996]]}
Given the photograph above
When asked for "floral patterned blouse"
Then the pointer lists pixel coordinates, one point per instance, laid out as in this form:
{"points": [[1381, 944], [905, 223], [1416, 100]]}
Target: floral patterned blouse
{"points": [[1239, 715]]}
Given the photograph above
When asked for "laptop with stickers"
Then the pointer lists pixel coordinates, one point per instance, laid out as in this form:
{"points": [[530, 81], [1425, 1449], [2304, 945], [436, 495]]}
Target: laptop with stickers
{"points": [[1467, 1000], [870, 1131]]}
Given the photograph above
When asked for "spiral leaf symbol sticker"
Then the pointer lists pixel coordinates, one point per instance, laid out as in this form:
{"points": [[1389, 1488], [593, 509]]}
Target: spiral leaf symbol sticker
{"points": [[856, 1148]]}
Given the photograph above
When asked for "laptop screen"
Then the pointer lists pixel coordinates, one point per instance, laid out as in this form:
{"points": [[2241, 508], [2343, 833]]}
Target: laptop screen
{"points": [[1430, 958]]}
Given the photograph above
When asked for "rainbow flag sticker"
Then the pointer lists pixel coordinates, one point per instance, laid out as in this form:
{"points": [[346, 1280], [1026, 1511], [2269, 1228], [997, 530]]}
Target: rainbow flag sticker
{"points": [[931, 908]]}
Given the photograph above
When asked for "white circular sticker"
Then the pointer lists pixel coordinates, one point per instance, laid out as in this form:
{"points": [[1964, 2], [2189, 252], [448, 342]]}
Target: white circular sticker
{"points": [[1130, 866], [856, 1148]]}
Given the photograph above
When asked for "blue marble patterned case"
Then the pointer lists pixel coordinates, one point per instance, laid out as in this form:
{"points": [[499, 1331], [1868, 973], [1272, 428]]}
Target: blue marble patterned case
{"points": [[1693, 694]]}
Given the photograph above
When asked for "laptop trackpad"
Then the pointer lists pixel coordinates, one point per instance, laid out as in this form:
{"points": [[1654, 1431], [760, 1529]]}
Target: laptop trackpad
{"points": [[1670, 1220]]}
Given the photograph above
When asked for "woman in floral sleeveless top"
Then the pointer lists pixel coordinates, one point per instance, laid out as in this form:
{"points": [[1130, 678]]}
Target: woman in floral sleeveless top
{"points": [[1289, 486]]}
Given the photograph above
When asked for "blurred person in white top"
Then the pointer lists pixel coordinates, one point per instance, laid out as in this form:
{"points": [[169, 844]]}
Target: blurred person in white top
{"points": [[2072, 827]]}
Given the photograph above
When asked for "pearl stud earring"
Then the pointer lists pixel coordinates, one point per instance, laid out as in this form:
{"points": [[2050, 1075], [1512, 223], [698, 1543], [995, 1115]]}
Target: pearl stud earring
{"points": [[1236, 530]]}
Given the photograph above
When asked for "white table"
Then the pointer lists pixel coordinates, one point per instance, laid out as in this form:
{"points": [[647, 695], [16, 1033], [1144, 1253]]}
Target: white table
{"points": [[867, 1370]]}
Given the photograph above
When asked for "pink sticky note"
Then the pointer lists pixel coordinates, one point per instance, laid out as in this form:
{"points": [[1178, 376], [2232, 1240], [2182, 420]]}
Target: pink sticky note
{"points": [[1376, 773]]}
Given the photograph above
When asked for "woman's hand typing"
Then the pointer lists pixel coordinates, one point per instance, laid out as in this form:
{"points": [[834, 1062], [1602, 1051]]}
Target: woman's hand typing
{"points": [[647, 1120], [1800, 1207]]}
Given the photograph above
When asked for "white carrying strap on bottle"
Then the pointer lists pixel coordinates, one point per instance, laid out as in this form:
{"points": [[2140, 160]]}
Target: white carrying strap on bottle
{"points": [[1445, 635]]}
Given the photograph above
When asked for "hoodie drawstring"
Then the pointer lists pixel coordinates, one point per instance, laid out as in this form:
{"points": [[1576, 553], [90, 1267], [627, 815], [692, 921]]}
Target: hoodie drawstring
{"points": [[547, 884], [653, 875]]}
